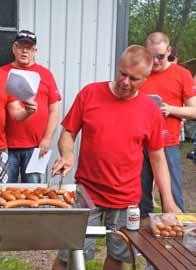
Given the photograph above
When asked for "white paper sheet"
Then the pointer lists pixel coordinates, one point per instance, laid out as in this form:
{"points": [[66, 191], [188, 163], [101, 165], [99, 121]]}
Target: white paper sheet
{"points": [[37, 164], [22, 83]]}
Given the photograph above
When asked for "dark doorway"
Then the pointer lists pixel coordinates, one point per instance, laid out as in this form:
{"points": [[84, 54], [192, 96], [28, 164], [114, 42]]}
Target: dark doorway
{"points": [[8, 28]]}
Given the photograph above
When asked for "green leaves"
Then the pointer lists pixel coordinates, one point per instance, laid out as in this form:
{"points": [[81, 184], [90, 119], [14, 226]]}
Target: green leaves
{"points": [[177, 18]]}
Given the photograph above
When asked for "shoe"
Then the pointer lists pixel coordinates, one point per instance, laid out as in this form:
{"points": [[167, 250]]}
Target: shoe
{"points": [[59, 265]]}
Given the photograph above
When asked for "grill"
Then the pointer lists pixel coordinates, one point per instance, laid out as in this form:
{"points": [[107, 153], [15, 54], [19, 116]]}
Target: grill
{"points": [[45, 228]]}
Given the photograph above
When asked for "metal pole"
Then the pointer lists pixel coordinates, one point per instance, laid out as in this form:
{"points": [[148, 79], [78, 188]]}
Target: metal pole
{"points": [[76, 260]]}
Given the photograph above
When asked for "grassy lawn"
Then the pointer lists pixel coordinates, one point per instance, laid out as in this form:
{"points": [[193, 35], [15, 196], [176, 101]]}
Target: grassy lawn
{"points": [[14, 264]]}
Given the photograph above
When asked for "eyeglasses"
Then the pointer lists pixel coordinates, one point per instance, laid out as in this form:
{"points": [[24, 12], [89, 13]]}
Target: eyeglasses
{"points": [[159, 56], [22, 35], [26, 47]]}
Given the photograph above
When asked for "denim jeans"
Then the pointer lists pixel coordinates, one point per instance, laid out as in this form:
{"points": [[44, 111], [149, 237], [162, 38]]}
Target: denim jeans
{"points": [[174, 164], [146, 204], [18, 159]]}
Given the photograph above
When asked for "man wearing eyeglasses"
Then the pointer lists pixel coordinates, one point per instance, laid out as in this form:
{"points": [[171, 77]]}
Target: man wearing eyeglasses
{"points": [[17, 111], [39, 129], [174, 85]]}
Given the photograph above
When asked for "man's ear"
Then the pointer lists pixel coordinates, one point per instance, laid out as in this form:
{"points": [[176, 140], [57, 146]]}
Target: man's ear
{"points": [[13, 47], [35, 50], [169, 49]]}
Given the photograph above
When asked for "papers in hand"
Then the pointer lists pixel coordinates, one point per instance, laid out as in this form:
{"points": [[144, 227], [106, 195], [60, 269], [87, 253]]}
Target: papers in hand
{"points": [[22, 83], [38, 164]]}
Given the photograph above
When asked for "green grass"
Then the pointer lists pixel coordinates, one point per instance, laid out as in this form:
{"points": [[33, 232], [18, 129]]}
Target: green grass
{"points": [[94, 265], [14, 264]]}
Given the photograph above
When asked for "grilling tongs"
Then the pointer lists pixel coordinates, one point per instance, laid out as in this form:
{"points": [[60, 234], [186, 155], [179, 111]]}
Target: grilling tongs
{"points": [[61, 180], [62, 175]]}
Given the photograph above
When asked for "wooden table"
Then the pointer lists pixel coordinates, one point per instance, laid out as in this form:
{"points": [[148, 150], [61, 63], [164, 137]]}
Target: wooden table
{"points": [[163, 254]]}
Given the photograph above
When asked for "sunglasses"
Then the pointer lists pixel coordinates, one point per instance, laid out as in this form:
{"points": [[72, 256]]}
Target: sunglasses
{"points": [[159, 56], [20, 36]]}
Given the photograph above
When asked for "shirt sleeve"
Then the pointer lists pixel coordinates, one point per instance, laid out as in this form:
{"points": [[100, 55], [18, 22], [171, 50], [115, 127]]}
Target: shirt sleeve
{"points": [[187, 81], [53, 93], [155, 140], [73, 120]]}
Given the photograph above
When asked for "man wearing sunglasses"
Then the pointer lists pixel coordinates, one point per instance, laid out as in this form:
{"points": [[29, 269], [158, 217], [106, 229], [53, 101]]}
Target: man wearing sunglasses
{"points": [[174, 85], [39, 129]]}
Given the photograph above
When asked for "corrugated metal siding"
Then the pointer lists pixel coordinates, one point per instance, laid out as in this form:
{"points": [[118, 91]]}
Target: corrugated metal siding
{"points": [[76, 41]]}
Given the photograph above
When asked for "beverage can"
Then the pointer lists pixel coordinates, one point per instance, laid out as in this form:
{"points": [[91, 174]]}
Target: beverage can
{"points": [[133, 217]]}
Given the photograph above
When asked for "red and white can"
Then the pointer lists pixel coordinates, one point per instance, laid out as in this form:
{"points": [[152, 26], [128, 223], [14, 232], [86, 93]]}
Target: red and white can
{"points": [[133, 217]]}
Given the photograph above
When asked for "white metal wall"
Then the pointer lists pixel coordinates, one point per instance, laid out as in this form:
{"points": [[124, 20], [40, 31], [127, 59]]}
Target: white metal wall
{"points": [[76, 41]]}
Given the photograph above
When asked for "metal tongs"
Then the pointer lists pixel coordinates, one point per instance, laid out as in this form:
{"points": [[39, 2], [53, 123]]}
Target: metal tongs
{"points": [[60, 183], [61, 180]]}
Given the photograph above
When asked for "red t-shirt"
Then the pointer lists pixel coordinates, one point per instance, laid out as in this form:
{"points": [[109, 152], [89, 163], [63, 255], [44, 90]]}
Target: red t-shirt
{"points": [[28, 133], [174, 85], [3, 103], [113, 134]]}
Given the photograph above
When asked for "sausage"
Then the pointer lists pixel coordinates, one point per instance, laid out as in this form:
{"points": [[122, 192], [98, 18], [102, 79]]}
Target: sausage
{"points": [[155, 230], [2, 201], [53, 202], [61, 191], [16, 192], [31, 196], [18, 195], [45, 191], [18, 203], [69, 197], [8, 196], [52, 195], [164, 233], [11, 189], [38, 192]]}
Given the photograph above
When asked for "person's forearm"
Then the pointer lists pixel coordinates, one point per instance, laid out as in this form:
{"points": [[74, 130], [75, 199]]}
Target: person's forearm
{"points": [[183, 112], [66, 143], [161, 175], [51, 126], [52, 122]]}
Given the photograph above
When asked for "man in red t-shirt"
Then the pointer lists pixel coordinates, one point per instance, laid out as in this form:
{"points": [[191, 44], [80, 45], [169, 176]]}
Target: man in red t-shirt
{"points": [[38, 130], [173, 84], [116, 121], [17, 112]]}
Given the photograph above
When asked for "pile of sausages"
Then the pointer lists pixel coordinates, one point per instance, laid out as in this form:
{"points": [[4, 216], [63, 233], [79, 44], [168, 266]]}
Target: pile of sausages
{"points": [[166, 225], [26, 197]]}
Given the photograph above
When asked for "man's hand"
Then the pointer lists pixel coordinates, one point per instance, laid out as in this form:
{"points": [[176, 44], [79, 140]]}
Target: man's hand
{"points": [[30, 107], [166, 109], [44, 147], [171, 207], [63, 165]]}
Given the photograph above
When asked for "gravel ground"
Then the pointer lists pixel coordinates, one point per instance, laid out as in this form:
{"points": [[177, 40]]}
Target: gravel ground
{"points": [[42, 260]]}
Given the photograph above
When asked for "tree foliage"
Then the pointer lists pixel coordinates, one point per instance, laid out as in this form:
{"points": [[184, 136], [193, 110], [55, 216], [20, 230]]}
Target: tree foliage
{"points": [[177, 18]]}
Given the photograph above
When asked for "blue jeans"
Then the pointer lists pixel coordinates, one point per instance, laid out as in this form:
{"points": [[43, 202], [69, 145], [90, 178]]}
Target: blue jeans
{"points": [[18, 159], [174, 164], [116, 247]]}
